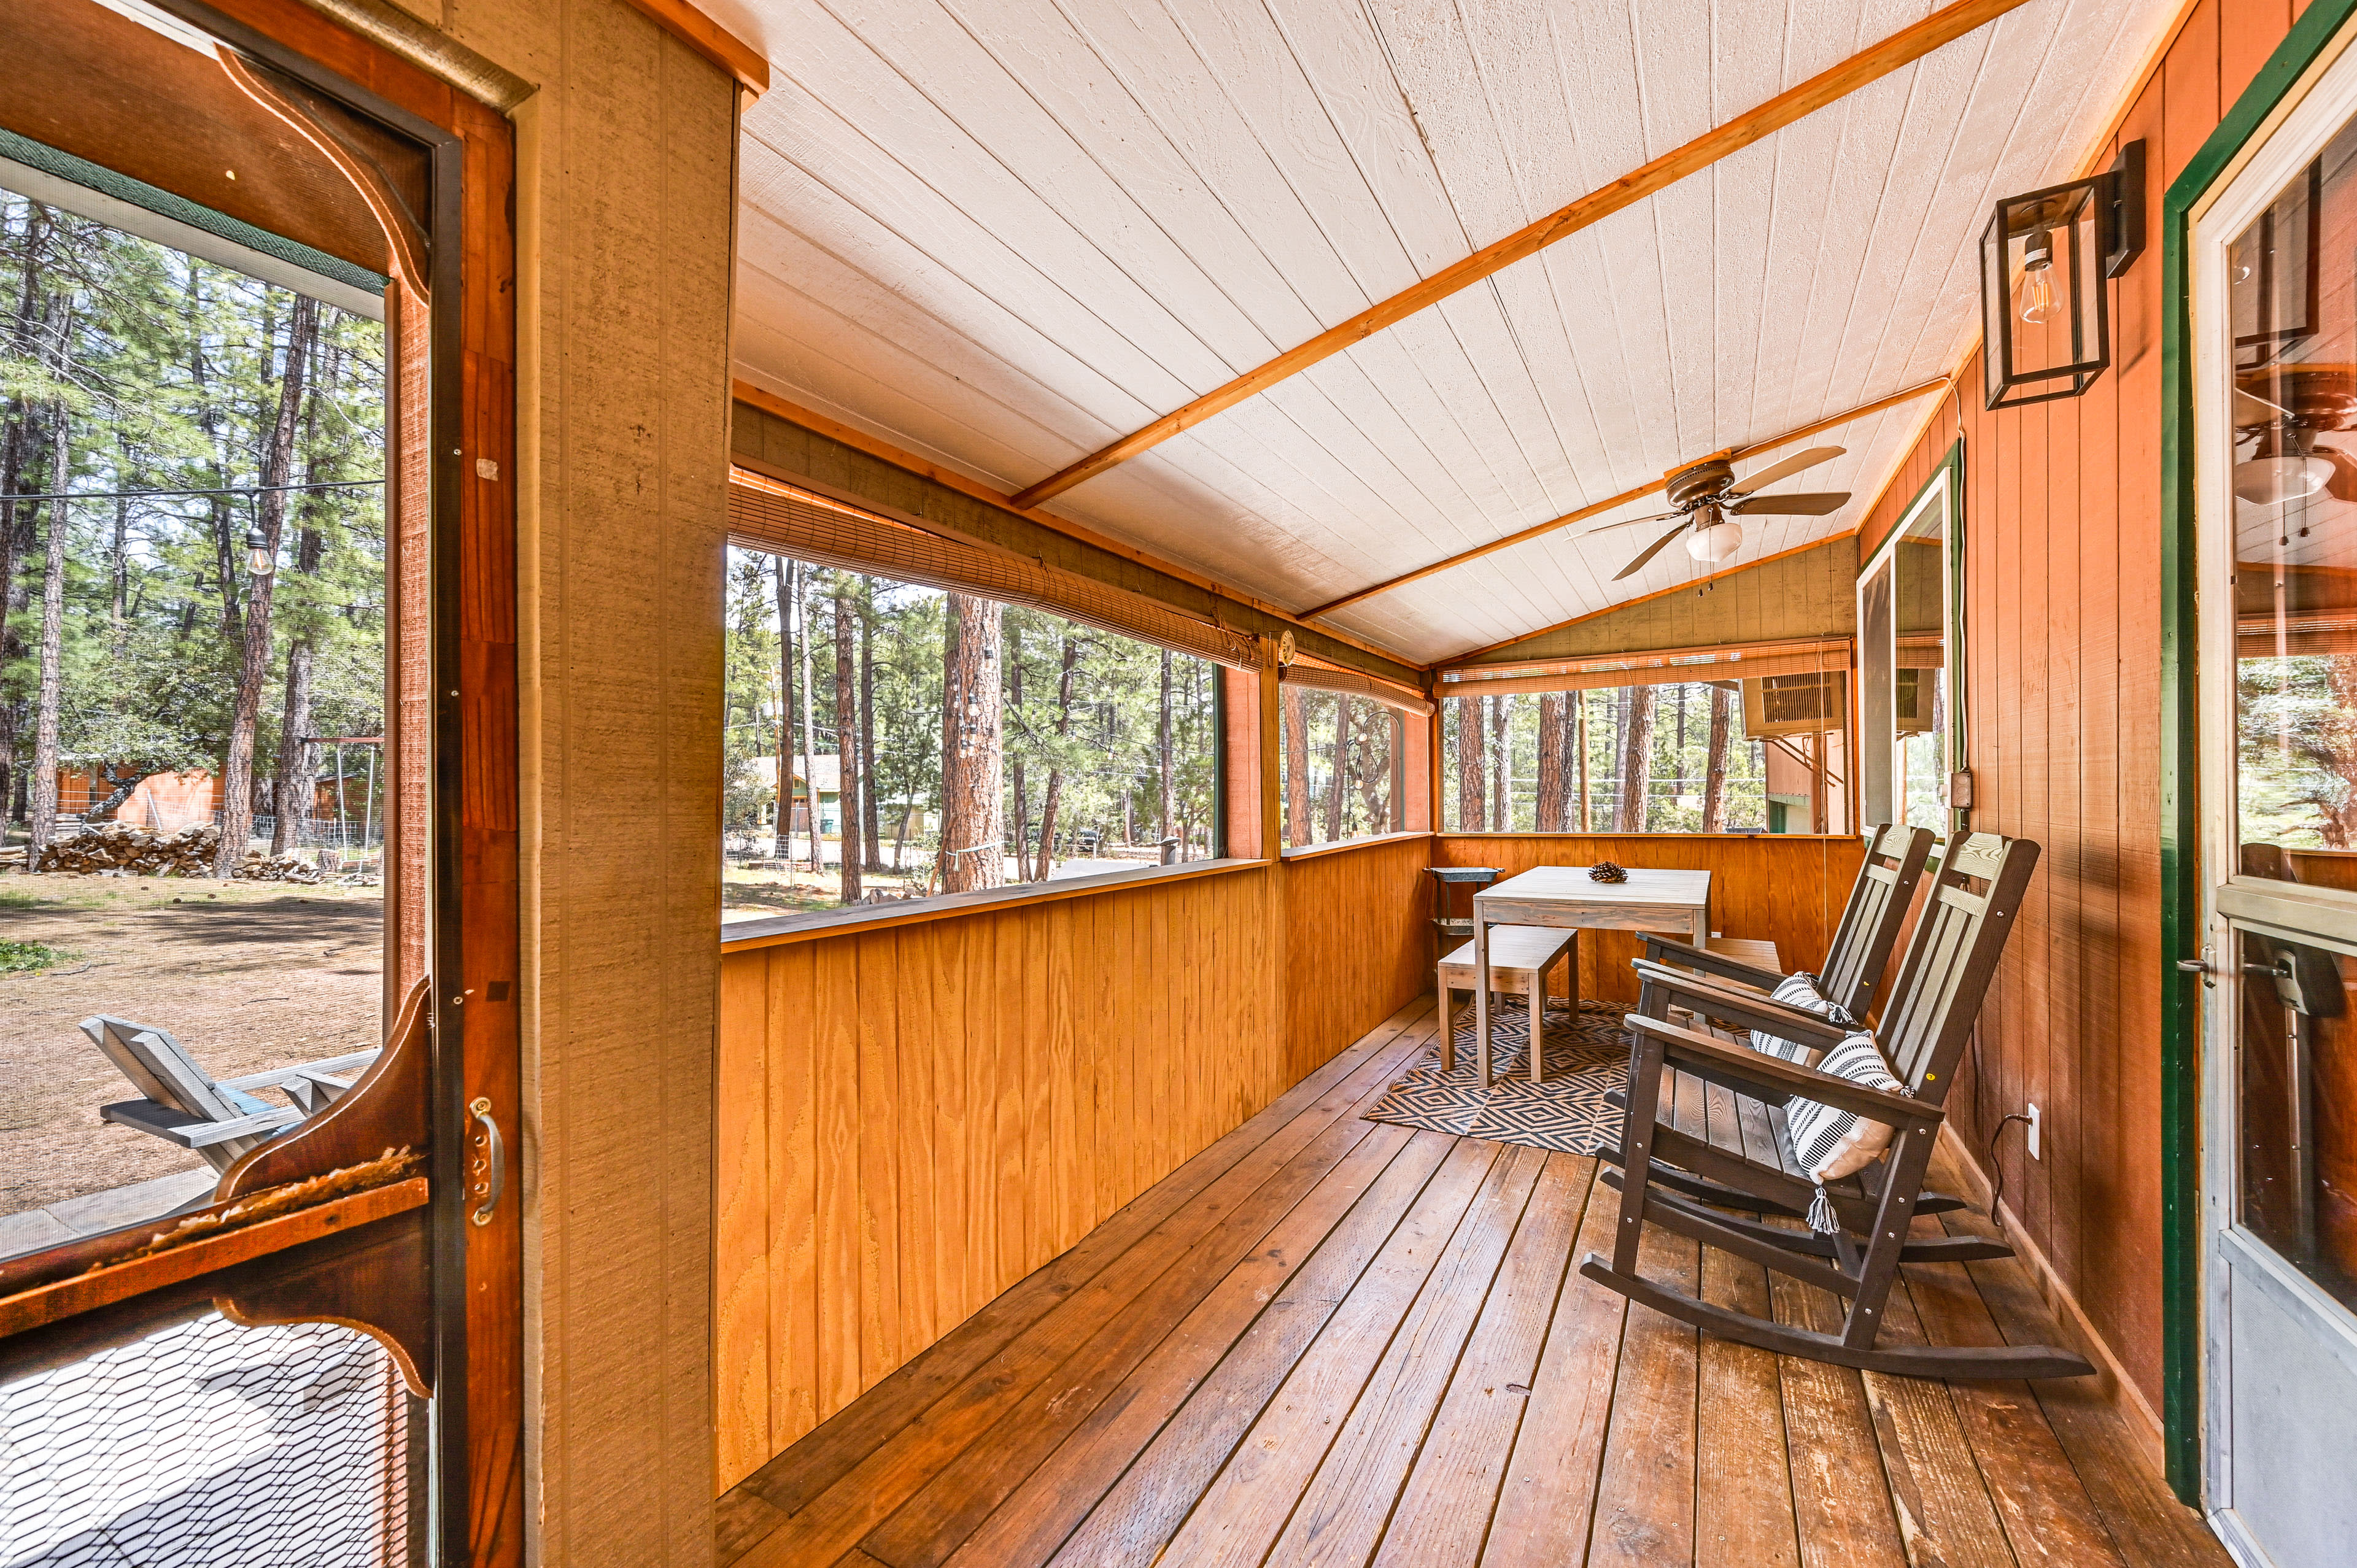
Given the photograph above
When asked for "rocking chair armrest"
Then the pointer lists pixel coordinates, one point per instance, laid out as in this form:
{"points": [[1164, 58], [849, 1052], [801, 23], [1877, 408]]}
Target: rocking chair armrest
{"points": [[1667, 951], [1687, 1047], [1745, 1007]]}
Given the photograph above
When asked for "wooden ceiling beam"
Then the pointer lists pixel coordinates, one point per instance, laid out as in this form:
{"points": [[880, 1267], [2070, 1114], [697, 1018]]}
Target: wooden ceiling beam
{"points": [[1737, 455], [1903, 47]]}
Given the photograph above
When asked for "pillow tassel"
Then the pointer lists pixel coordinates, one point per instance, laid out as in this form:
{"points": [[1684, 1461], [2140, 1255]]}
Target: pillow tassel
{"points": [[1821, 1213]]}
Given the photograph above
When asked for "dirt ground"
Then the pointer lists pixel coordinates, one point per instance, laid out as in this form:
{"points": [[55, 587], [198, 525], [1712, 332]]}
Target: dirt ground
{"points": [[246, 975]]}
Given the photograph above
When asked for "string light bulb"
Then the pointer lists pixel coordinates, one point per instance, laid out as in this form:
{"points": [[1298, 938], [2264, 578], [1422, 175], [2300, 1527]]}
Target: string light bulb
{"points": [[260, 559]]}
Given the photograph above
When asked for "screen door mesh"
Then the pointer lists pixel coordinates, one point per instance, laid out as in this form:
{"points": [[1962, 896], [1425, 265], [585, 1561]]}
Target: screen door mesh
{"points": [[210, 1446]]}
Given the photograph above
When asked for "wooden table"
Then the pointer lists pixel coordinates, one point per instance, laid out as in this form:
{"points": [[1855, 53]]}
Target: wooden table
{"points": [[1676, 902]]}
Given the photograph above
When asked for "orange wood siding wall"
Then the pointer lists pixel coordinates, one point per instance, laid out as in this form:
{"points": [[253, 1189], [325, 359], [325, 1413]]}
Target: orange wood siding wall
{"points": [[1779, 887], [2062, 635], [911, 1120], [1358, 944]]}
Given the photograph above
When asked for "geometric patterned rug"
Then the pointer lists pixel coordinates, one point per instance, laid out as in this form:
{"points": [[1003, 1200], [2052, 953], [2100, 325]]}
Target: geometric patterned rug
{"points": [[1587, 1058]]}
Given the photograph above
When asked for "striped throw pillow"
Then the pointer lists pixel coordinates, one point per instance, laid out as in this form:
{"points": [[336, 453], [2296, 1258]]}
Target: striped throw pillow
{"points": [[1799, 991], [1831, 1143]]}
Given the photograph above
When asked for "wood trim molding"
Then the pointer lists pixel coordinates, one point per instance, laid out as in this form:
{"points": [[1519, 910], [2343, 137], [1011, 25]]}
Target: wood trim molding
{"points": [[2119, 1391], [391, 28], [1313, 851], [1908, 44], [1473, 678], [707, 37], [884, 451], [102, 1286], [1906, 394], [744, 936]]}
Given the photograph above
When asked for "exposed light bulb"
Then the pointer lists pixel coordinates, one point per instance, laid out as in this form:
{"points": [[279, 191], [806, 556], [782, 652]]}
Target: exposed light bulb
{"points": [[260, 559], [2268, 481], [1716, 542], [2039, 304]]}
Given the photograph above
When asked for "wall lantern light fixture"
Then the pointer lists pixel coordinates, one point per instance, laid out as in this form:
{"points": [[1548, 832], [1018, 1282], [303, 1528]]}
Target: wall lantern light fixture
{"points": [[2044, 259]]}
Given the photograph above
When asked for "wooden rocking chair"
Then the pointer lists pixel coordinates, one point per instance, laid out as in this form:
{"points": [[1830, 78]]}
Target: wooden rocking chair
{"points": [[1879, 901], [1752, 1164]]}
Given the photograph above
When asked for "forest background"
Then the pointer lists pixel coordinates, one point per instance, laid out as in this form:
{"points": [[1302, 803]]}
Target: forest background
{"points": [[212, 594]]}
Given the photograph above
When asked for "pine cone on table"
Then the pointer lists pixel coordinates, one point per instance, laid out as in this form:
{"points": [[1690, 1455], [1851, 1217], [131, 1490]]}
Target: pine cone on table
{"points": [[1605, 871]]}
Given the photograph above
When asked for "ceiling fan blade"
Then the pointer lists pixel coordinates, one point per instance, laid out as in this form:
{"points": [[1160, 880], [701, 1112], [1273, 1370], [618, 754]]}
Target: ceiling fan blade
{"points": [[1800, 503], [1638, 565], [1657, 516], [1789, 466]]}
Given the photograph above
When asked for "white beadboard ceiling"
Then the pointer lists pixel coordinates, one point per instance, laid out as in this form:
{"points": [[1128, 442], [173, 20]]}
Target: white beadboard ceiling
{"points": [[1004, 233]]}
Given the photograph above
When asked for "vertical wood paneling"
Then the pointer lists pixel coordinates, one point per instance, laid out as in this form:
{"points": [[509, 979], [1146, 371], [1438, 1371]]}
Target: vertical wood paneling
{"points": [[2062, 542], [1358, 944], [914, 1118]]}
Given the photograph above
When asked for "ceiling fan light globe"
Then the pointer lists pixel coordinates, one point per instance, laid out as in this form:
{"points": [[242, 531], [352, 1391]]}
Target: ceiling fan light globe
{"points": [[2268, 481], [1716, 542]]}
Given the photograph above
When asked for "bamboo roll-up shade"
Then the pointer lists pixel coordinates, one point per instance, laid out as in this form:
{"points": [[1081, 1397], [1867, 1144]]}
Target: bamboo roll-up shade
{"points": [[767, 515], [1318, 678], [1653, 669]]}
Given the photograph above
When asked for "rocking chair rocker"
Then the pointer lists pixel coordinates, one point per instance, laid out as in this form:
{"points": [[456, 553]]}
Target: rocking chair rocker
{"points": [[1754, 1164]]}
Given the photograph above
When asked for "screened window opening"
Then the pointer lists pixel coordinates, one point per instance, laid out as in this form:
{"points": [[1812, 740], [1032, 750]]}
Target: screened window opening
{"points": [[193, 779], [1340, 769], [936, 742], [1758, 755]]}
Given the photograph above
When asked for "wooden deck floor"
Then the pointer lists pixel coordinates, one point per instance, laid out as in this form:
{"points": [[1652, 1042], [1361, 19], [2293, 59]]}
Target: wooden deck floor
{"points": [[1327, 1341]]}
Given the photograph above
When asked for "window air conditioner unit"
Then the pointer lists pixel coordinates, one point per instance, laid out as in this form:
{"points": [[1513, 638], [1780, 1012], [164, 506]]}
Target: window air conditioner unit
{"points": [[1795, 704]]}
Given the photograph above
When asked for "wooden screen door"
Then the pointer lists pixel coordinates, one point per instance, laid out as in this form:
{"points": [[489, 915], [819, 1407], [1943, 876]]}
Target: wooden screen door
{"points": [[2274, 317], [376, 1246]]}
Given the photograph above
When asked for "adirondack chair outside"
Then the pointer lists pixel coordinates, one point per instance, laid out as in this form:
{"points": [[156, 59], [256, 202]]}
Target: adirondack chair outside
{"points": [[1925, 1029], [1870, 922], [220, 1119]]}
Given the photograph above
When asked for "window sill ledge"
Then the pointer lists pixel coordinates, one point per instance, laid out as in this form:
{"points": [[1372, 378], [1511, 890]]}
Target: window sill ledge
{"points": [[1311, 851], [741, 936]]}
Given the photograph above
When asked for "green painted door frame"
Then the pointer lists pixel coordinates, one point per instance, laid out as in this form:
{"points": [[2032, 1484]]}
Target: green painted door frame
{"points": [[2180, 861]]}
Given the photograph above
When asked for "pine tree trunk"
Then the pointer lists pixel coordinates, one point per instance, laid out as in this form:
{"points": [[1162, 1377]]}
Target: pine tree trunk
{"points": [[299, 757], [1579, 705], [972, 747], [254, 668], [1045, 865], [1167, 808], [1637, 759], [786, 713], [293, 783], [810, 722], [1015, 781], [53, 642], [850, 846], [1472, 779], [1501, 761], [1713, 785], [1297, 766], [1374, 785], [16, 519], [870, 823], [1553, 752], [1340, 781]]}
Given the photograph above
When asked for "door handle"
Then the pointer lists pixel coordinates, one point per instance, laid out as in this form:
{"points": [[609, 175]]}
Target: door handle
{"points": [[487, 1170]]}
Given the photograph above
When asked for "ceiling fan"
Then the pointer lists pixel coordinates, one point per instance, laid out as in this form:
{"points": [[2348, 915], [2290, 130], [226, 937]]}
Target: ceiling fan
{"points": [[1707, 499]]}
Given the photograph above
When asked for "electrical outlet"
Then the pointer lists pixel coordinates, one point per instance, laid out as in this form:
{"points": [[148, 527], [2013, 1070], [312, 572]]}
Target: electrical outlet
{"points": [[2033, 1132]]}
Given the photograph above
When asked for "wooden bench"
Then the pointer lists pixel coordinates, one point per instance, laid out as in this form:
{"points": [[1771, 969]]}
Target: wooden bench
{"points": [[1520, 957]]}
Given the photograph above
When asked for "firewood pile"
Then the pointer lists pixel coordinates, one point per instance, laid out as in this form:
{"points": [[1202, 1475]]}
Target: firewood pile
{"points": [[136, 852]]}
